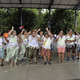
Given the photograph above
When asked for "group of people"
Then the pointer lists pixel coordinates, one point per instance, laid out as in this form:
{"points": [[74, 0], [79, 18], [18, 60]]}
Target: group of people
{"points": [[34, 44]]}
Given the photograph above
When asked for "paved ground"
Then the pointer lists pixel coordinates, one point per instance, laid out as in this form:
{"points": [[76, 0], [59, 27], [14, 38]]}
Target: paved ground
{"points": [[57, 71]]}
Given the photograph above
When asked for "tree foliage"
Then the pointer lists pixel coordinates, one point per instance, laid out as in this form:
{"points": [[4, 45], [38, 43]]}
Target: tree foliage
{"points": [[62, 20], [34, 18], [12, 17]]}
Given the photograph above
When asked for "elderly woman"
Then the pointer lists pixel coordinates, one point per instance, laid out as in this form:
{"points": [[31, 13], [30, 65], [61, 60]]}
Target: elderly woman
{"points": [[70, 44], [3, 41], [61, 39], [33, 46], [12, 47], [24, 43], [46, 47], [41, 37]]}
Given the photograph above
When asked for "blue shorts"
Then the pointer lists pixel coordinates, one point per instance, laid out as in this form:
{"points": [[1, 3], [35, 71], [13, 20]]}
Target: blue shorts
{"points": [[2, 54], [78, 49]]}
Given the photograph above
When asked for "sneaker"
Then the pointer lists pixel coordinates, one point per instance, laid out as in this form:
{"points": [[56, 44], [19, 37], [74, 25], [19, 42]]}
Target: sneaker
{"points": [[67, 58], [49, 63], [39, 57], [28, 59], [73, 58], [77, 58], [2, 65], [45, 63]]}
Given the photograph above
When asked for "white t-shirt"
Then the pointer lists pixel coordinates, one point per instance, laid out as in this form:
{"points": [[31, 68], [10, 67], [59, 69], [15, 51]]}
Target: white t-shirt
{"points": [[70, 38], [47, 42], [61, 42], [12, 41], [78, 40], [41, 37], [25, 41], [33, 42]]}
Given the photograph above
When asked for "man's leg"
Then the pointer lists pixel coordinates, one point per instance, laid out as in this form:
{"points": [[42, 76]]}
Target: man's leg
{"points": [[35, 55]]}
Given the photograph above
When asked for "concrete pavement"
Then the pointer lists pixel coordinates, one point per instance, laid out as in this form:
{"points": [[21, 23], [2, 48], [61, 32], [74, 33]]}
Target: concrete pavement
{"points": [[57, 71]]}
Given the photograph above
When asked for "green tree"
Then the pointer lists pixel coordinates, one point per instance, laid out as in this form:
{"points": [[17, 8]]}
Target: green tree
{"points": [[62, 20], [12, 17], [45, 22]]}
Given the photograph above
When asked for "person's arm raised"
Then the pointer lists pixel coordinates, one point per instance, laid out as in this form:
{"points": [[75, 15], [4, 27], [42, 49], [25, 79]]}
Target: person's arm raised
{"points": [[9, 33], [76, 30], [50, 34], [38, 30], [21, 32], [29, 32]]}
